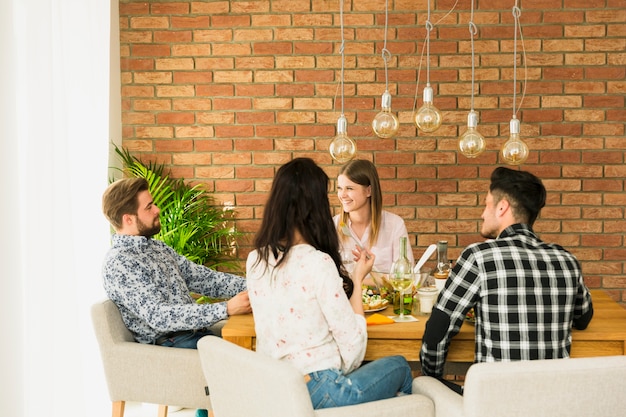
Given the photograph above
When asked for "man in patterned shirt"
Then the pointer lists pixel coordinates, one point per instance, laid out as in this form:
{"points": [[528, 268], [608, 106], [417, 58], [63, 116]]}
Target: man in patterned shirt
{"points": [[150, 283], [526, 294]]}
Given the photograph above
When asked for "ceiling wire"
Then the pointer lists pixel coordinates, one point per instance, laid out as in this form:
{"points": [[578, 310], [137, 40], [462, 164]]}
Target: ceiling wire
{"points": [[427, 42], [473, 31], [341, 50], [385, 52], [516, 15]]}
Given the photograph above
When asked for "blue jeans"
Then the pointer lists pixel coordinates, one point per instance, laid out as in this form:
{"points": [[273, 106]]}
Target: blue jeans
{"points": [[376, 380], [187, 341]]}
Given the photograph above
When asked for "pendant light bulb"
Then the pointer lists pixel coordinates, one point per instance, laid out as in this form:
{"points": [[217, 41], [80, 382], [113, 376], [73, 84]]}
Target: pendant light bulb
{"points": [[385, 124], [428, 117], [514, 151], [472, 143], [342, 148]]}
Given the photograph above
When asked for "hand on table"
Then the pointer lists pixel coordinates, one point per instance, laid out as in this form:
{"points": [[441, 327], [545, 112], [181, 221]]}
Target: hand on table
{"points": [[239, 304]]}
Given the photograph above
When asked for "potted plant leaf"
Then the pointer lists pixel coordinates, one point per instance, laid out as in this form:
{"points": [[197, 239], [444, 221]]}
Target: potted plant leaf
{"points": [[191, 221]]}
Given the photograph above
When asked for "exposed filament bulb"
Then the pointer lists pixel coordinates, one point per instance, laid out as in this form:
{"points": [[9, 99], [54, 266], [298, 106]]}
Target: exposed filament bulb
{"points": [[342, 148]]}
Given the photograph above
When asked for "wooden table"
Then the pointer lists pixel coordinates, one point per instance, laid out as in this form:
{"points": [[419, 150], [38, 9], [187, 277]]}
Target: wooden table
{"points": [[605, 335]]}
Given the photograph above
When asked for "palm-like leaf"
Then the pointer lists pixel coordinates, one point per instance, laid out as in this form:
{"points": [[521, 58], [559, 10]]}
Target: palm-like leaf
{"points": [[191, 223]]}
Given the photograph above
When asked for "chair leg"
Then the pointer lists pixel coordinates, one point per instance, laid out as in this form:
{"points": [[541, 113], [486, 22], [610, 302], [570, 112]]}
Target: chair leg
{"points": [[118, 408], [162, 410]]}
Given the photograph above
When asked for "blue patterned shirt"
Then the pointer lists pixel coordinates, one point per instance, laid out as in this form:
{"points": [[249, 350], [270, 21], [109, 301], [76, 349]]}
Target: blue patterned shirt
{"points": [[150, 283], [526, 296]]}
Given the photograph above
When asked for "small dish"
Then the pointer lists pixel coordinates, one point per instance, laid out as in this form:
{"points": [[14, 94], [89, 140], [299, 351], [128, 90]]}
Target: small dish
{"points": [[373, 310]]}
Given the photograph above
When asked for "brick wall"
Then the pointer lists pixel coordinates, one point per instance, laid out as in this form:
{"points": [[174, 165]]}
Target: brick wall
{"points": [[226, 91]]}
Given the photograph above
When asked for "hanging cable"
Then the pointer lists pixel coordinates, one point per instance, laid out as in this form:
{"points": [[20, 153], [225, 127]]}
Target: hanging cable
{"points": [[472, 142], [473, 30], [515, 150], [342, 148], [341, 51], [385, 124], [428, 117], [419, 69], [385, 52]]}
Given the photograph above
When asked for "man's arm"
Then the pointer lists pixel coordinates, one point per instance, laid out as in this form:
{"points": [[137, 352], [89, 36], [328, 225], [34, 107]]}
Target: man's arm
{"points": [[584, 313], [434, 352]]}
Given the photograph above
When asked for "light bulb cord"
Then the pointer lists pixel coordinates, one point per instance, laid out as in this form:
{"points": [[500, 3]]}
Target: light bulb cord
{"points": [[341, 50], [385, 52], [517, 12], [473, 31], [429, 27]]}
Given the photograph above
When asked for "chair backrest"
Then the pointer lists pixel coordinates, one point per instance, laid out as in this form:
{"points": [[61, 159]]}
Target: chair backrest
{"points": [[143, 372], [108, 324], [580, 387], [246, 383]]}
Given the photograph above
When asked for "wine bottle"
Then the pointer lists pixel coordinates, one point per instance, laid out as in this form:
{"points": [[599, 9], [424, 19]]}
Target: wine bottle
{"points": [[443, 265]]}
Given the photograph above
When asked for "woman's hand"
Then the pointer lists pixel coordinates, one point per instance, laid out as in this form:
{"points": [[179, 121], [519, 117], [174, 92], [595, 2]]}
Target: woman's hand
{"points": [[364, 264]]}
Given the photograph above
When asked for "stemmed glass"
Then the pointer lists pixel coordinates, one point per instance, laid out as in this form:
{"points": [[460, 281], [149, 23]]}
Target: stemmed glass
{"points": [[401, 279], [401, 283]]}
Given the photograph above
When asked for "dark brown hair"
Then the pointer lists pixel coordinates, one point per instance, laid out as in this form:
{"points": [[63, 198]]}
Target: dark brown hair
{"points": [[298, 201]]}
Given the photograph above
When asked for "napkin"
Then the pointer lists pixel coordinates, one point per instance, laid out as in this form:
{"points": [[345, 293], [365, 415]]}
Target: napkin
{"points": [[377, 318]]}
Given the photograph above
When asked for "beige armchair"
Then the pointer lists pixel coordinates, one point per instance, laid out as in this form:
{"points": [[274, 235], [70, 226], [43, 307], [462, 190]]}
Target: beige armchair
{"points": [[145, 373], [245, 383], [581, 387]]}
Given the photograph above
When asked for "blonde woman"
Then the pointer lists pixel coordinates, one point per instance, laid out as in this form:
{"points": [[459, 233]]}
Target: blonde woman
{"points": [[377, 230]]}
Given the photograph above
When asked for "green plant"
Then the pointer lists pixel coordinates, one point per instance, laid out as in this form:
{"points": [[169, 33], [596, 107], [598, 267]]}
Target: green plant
{"points": [[191, 222]]}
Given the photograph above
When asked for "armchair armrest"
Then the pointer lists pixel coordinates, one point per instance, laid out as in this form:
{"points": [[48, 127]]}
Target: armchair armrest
{"points": [[447, 402]]}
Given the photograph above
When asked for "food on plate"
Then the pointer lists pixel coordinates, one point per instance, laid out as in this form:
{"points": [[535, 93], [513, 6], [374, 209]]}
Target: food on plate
{"points": [[372, 300], [471, 316]]}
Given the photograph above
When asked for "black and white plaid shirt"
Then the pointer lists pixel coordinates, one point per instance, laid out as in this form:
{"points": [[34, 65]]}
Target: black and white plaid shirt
{"points": [[526, 296]]}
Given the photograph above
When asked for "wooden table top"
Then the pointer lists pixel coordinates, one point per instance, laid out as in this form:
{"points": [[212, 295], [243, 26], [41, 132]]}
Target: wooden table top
{"points": [[605, 335]]}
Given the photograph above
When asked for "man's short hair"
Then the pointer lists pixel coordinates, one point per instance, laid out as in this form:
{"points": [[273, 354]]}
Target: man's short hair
{"points": [[121, 198], [523, 190]]}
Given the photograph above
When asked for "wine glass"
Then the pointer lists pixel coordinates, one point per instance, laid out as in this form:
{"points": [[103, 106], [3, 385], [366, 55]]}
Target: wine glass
{"points": [[401, 279]]}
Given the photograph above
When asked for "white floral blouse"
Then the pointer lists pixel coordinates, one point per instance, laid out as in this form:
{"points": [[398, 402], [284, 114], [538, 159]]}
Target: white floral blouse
{"points": [[302, 314]]}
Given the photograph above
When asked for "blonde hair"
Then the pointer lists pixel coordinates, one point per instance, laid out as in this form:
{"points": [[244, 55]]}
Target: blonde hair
{"points": [[363, 172]]}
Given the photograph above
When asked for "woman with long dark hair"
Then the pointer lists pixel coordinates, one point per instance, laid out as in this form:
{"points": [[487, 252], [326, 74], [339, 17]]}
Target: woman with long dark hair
{"points": [[302, 312]]}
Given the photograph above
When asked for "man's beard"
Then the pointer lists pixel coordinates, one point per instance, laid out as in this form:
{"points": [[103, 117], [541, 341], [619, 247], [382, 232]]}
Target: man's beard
{"points": [[489, 234], [148, 231]]}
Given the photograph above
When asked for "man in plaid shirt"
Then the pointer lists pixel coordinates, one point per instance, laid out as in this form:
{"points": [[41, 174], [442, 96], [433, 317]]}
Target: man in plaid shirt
{"points": [[526, 294]]}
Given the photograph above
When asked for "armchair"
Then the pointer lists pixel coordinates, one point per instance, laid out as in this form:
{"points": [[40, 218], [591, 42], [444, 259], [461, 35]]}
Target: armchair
{"points": [[246, 383], [580, 387], [145, 373]]}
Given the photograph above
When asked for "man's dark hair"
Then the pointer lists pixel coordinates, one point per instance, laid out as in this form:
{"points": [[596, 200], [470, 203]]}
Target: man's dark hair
{"points": [[523, 190]]}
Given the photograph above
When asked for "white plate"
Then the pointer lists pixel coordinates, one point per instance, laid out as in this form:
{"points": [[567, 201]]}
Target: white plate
{"points": [[376, 309]]}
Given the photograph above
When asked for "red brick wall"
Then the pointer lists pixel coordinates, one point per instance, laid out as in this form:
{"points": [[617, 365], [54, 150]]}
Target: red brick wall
{"points": [[227, 91]]}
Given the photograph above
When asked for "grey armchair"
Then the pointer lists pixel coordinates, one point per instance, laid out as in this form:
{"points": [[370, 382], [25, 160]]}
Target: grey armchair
{"points": [[581, 387], [145, 373], [246, 383]]}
